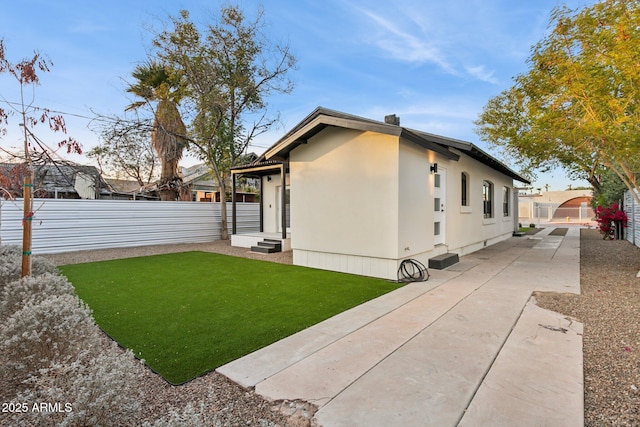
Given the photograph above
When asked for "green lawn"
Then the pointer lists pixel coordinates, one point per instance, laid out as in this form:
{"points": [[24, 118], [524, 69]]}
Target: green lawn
{"points": [[186, 314]]}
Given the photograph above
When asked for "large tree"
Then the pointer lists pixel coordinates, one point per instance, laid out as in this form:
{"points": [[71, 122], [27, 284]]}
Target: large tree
{"points": [[578, 104], [126, 150], [157, 82], [229, 67]]}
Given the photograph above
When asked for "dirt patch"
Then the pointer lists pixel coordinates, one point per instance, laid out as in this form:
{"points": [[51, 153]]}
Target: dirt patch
{"points": [[559, 232]]}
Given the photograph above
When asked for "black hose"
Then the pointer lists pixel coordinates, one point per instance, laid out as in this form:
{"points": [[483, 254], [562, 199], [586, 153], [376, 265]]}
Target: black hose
{"points": [[412, 270]]}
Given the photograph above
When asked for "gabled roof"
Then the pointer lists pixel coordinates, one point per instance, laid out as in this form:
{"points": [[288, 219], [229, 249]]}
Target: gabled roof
{"points": [[61, 176], [322, 118]]}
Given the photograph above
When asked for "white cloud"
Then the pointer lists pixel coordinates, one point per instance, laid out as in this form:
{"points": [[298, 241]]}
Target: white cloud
{"points": [[479, 72], [405, 46], [411, 35]]}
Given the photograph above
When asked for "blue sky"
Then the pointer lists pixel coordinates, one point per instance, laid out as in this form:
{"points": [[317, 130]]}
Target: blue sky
{"points": [[433, 63]]}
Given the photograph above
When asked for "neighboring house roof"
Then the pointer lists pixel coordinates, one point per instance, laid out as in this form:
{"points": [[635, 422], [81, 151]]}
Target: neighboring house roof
{"points": [[199, 177], [124, 185], [321, 118], [195, 172], [67, 178], [576, 202]]}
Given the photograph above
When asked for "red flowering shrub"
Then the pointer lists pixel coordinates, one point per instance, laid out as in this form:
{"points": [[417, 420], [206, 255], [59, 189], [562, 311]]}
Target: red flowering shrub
{"points": [[608, 217]]}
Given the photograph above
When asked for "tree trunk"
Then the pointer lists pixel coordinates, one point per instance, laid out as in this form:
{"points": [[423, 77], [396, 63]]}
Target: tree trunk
{"points": [[224, 229], [26, 226], [595, 183]]}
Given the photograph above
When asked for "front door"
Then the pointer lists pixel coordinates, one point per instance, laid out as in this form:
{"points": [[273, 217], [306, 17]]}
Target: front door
{"points": [[439, 204]]}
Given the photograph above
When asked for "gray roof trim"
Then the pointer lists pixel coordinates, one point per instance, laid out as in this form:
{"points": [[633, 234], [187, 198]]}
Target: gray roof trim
{"points": [[318, 120], [429, 145], [259, 168], [476, 153], [321, 118]]}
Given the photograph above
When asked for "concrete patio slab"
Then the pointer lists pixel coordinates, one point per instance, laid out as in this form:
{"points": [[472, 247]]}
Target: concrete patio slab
{"points": [[440, 353], [267, 362], [547, 389]]}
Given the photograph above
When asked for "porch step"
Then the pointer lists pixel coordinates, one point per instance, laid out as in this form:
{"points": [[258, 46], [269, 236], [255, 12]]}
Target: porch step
{"points": [[268, 246], [443, 261]]}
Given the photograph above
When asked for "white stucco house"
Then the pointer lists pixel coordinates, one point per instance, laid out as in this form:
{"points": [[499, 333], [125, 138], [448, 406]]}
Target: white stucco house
{"points": [[355, 195]]}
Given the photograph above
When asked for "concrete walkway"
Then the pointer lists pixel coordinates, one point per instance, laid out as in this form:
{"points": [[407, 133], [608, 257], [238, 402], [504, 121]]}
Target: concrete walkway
{"points": [[467, 348]]}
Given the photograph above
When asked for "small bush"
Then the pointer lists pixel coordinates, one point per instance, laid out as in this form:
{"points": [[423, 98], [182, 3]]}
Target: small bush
{"points": [[54, 330], [95, 390], [189, 416], [32, 290], [608, 217], [11, 265], [52, 352]]}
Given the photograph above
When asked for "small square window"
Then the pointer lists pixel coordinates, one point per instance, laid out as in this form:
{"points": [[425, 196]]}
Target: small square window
{"points": [[436, 204], [436, 228], [436, 180]]}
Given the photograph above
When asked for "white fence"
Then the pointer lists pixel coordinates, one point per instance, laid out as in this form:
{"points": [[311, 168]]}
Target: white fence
{"points": [[632, 210], [71, 225], [552, 212]]}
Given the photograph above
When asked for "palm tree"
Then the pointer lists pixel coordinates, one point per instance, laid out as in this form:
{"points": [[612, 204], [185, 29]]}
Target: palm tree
{"points": [[156, 83]]}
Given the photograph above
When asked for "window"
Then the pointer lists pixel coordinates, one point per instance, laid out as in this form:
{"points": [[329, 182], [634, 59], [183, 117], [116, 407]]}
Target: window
{"points": [[506, 197], [487, 199], [464, 181]]}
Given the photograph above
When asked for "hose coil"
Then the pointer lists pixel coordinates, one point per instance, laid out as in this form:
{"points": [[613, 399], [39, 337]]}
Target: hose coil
{"points": [[412, 270]]}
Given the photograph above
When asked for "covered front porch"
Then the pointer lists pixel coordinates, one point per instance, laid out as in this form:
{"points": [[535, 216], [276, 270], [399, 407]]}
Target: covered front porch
{"points": [[274, 207]]}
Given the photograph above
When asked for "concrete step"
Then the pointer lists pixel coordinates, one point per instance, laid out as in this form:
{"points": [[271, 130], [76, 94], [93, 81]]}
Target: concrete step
{"points": [[275, 245], [268, 246], [443, 261], [273, 241], [263, 249]]}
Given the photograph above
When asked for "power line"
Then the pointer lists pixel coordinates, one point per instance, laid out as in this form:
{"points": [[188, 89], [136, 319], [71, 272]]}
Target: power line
{"points": [[98, 118]]}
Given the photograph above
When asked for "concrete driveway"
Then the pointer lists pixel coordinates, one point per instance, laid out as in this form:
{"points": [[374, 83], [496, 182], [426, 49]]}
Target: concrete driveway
{"points": [[469, 347]]}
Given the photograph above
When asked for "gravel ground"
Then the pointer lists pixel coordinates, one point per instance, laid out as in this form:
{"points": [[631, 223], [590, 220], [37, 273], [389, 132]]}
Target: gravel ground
{"points": [[219, 246], [609, 308]]}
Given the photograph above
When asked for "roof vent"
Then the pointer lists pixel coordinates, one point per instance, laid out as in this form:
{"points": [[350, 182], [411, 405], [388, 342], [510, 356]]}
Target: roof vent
{"points": [[392, 119]]}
